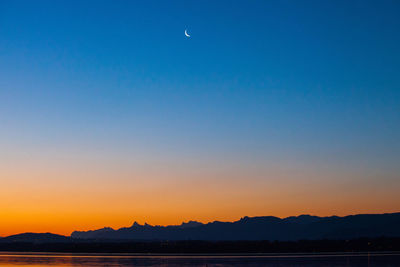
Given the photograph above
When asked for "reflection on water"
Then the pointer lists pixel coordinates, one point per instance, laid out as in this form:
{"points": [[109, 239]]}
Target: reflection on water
{"points": [[41, 259]]}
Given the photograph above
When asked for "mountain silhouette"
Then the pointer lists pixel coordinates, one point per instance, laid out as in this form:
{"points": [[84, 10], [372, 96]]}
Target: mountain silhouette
{"points": [[35, 238], [304, 227]]}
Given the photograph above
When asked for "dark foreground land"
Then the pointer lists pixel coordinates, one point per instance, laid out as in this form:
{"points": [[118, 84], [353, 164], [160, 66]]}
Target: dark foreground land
{"points": [[301, 234], [207, 247]]}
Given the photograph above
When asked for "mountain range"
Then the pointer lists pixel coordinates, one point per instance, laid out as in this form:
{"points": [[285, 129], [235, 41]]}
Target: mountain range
{"points": [[303, 227], [259, 228]]}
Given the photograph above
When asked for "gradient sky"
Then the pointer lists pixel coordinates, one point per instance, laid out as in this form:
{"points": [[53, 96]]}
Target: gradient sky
{"points": [[109, 114]]}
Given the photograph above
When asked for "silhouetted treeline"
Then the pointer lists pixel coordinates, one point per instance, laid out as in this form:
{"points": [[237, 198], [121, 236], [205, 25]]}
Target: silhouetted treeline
{"points": [[356, 245]]}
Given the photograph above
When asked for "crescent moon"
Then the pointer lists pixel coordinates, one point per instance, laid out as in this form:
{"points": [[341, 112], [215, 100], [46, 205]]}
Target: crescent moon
{"points": [[187, 35]]}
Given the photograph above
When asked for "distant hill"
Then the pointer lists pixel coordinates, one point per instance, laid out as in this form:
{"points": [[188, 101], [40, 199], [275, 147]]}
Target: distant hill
{"points": [[304, 227], [35, 238]]}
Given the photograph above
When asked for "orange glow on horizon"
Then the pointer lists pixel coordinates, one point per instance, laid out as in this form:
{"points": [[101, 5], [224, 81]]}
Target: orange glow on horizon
{"points": [[82, 199]]}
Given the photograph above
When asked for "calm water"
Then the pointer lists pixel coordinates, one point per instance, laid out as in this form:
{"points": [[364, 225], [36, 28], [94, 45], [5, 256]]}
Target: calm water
{"points": [[41, 259]]}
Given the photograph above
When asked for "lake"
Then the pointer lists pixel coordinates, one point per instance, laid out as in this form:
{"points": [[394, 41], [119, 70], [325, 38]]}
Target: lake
{"points": [[320, 259]]}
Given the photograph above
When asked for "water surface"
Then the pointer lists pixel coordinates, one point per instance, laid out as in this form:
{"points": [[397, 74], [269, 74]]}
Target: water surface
{"points": [[328, 259]]}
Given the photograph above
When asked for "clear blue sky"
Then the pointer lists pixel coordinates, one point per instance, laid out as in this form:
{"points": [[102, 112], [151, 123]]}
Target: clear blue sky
{"points": [[311, 76], [313, 83]]}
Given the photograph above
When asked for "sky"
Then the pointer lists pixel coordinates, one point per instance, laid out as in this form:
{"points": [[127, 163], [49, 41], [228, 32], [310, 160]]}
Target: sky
{"points": [[109, 114]]}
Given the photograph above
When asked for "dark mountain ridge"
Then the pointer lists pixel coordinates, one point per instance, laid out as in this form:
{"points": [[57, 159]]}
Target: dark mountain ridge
{"points": [[303, 227], [35, 238]]}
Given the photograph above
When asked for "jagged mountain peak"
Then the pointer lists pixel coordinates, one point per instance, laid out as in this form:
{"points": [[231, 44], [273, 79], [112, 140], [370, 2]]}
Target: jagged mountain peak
{"points": [[260, 228]]}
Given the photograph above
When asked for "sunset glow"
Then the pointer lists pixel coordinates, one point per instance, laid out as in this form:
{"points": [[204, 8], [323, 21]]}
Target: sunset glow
{"points": [[109, 114]]}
